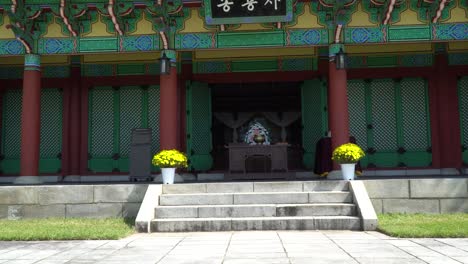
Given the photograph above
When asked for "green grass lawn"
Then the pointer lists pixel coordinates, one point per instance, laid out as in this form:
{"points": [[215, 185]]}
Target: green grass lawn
{"points": [[424, 225], [65, 229]]}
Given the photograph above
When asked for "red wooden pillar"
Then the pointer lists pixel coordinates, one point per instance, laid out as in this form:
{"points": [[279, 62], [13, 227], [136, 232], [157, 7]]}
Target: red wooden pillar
{"points": [[30, 120], [84, 90], [168, 114], [338, 117], [447, 137], [435, 120], [75, 119]]}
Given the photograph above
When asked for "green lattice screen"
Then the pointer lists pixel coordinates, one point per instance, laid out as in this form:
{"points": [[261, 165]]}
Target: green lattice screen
{"points": [[463, 105], [358, 114], [390, 120], [11, 131], [51, 131], [113, 112], [384, 123], [199, 118], [314, 118]]}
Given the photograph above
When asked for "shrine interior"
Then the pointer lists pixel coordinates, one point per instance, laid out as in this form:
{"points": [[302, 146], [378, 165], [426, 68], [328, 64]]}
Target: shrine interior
{"points": [[247, 103]]}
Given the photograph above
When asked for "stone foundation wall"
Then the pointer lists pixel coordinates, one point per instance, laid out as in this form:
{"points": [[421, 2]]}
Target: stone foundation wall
{"points": [[96, 201], [436, 196], [447, 195]]}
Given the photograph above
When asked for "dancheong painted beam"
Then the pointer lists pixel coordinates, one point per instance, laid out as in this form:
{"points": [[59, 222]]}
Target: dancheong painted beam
{"points": [[82, 27]]}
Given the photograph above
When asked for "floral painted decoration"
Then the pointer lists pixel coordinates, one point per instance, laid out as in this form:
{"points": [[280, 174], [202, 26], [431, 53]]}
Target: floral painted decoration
{"points": [[255, 130], [347, 153], [170, 159]]}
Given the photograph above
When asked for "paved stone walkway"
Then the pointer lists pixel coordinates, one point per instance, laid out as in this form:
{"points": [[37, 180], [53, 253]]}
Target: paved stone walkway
{"points": [[308, 247]]}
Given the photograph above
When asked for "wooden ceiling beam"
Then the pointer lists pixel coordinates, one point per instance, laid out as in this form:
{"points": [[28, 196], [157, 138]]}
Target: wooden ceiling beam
{"points": [[388, 15], [439, 11]]}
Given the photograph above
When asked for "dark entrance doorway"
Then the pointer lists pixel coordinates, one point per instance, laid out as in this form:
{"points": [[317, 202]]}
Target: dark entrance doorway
{"points": [[236, 106]]}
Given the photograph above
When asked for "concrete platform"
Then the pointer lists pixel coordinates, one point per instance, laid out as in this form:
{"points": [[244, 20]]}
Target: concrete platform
{"points": [[299, 205], [247, 210], [250, 247]]}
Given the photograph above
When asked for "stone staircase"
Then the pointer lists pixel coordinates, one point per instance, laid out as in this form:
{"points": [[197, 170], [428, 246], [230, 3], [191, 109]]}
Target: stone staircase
{"points": [[308, 205]]}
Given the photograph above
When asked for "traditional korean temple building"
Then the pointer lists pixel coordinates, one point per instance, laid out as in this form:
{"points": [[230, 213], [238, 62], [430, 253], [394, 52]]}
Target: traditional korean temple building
{"points": [[76, 76]]}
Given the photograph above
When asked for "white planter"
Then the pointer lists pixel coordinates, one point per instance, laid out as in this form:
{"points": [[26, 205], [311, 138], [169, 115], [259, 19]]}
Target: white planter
{"points": [[168, 175], [347, 170]]}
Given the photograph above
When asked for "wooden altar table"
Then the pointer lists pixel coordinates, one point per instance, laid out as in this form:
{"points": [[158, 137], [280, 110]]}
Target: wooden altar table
{"points": [[239, 153]]}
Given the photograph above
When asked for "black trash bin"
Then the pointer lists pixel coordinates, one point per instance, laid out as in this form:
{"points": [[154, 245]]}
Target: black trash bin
{"points": [[140, 155]]}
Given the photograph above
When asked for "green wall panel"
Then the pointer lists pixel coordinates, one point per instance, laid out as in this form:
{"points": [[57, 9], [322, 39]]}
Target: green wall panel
{"points": [[314, 118], [416, 158], [386, 159], [59, 71], [210, 66], [131, 69], [98, 44], [458, 58], [283, 64], [97, 70], [10, 166], [299, 64], [416, 60], [406, 33], [120, 69], [382, 61], [11, 72], [254, 66], [199, 122], [250, 39], [401, 60]]}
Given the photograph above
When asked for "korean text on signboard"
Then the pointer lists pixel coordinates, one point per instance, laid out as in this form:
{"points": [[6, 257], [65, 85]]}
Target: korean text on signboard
{"points": [[247, 11]]}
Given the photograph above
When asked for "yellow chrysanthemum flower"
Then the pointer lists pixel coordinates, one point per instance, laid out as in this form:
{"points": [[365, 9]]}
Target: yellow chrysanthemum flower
{"points": [[347, 153], [170, 159]]}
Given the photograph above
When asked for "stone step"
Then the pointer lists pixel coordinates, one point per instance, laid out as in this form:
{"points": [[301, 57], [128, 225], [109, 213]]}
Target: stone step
{"points": [[256, 223], [264, 210], [256, 198], [246, 187]]}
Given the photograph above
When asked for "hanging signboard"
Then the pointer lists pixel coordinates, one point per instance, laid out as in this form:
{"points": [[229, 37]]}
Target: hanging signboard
{"points": [[247, 11]]}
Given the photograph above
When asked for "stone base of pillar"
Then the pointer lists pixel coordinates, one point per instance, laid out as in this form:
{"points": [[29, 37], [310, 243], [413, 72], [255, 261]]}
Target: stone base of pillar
{"points": [[72, 178], [28, 180], [335, 175], [449, 171]]}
